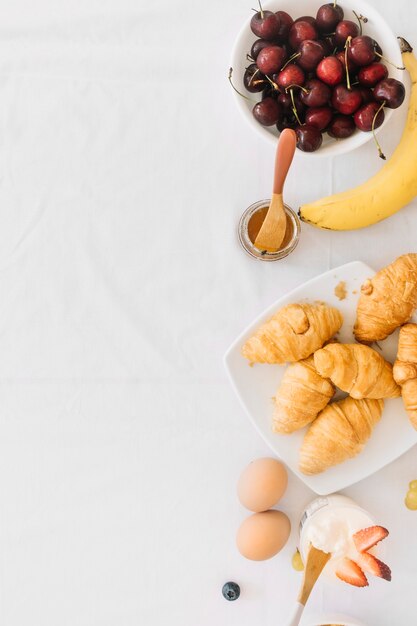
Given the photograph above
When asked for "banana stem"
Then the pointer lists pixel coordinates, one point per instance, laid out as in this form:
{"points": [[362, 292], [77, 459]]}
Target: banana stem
{"points": [[381, 154], [404, 45]]}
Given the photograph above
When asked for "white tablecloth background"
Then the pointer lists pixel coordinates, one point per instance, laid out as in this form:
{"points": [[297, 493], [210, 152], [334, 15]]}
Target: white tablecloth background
{"points": [[124, 167]]}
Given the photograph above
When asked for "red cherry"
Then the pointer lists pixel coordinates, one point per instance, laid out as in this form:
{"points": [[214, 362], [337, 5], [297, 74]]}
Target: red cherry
{"points": [[286, 22], [345, 100], [365, 115], [257, 46], [309, 138], [391, 91], [330, 71], [328, 17], [270, 59], [319, 117], [317, 94], [370, 75], [341, 127], [341, 56], [345, 29], [308, 18], [291, 75], [361, 50], [367, 94], [311, 53], [299, 32], [266, 25], [267, 112]]}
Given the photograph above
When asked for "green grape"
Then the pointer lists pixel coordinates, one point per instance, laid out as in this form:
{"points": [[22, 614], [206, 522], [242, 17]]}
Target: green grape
{"points": [[297, 562], [413, 485], [411, 500]]}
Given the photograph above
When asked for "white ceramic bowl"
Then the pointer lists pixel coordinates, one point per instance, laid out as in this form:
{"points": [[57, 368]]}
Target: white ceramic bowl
{"points": [[376, 27]]}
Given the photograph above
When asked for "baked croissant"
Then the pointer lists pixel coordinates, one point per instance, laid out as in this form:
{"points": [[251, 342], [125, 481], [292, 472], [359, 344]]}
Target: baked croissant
{"points": [[302, 394], [405, 369], [339, 433], [359, 370], [387, 300], [293, 333]]}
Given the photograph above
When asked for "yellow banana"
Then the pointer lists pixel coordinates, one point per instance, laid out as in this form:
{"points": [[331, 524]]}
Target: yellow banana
{"points": [[394, 186]]}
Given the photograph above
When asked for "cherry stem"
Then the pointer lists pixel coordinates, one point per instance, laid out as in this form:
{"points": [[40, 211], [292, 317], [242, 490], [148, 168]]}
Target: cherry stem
{"points": [[237, 91], [262, 11], [381, 154], [294, 108], [389, 62], [347, 45], [295, 85], [271, 82], [253, 76], [292, 57], [360, 19]]}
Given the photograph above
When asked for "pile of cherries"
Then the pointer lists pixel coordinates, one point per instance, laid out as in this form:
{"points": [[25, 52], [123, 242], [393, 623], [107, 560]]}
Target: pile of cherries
{"points": [[318, 75]]}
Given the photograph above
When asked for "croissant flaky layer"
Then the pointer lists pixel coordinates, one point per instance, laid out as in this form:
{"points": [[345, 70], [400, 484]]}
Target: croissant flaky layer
{"points": [[293, 333], [357, 369], [387, 300], [302, 394], [339, 433], [405, 369]]}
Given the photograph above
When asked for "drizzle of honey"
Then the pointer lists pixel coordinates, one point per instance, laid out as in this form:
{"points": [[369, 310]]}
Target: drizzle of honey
{"points": [[256, 221]]}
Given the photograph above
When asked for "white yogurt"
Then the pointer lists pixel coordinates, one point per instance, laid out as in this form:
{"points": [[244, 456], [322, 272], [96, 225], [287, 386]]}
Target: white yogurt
{"points": [[329, 523]]}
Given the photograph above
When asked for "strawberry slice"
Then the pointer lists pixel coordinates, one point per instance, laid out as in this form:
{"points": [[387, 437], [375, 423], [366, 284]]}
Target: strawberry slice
{"points": [[351, 573], [369, 537], [369, 563]]}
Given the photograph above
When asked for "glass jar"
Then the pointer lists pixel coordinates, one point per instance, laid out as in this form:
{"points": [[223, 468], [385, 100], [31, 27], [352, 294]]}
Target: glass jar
{"points": [[293, 222], [332, 520]]}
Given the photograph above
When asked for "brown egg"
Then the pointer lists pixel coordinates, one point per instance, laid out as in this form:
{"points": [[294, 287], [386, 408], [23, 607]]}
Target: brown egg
{"points": [[262, 484], [262, 535]]}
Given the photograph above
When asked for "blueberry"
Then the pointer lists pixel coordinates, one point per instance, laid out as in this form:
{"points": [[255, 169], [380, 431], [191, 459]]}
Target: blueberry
{"points": [[231, 591]]}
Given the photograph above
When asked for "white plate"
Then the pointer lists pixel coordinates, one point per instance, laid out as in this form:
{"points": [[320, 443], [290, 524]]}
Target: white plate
{"points": [[255, 387], [376, 27]]}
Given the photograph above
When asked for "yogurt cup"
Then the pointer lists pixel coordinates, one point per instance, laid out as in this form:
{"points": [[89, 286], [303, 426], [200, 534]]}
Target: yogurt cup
{"points": [[329, 523]]}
